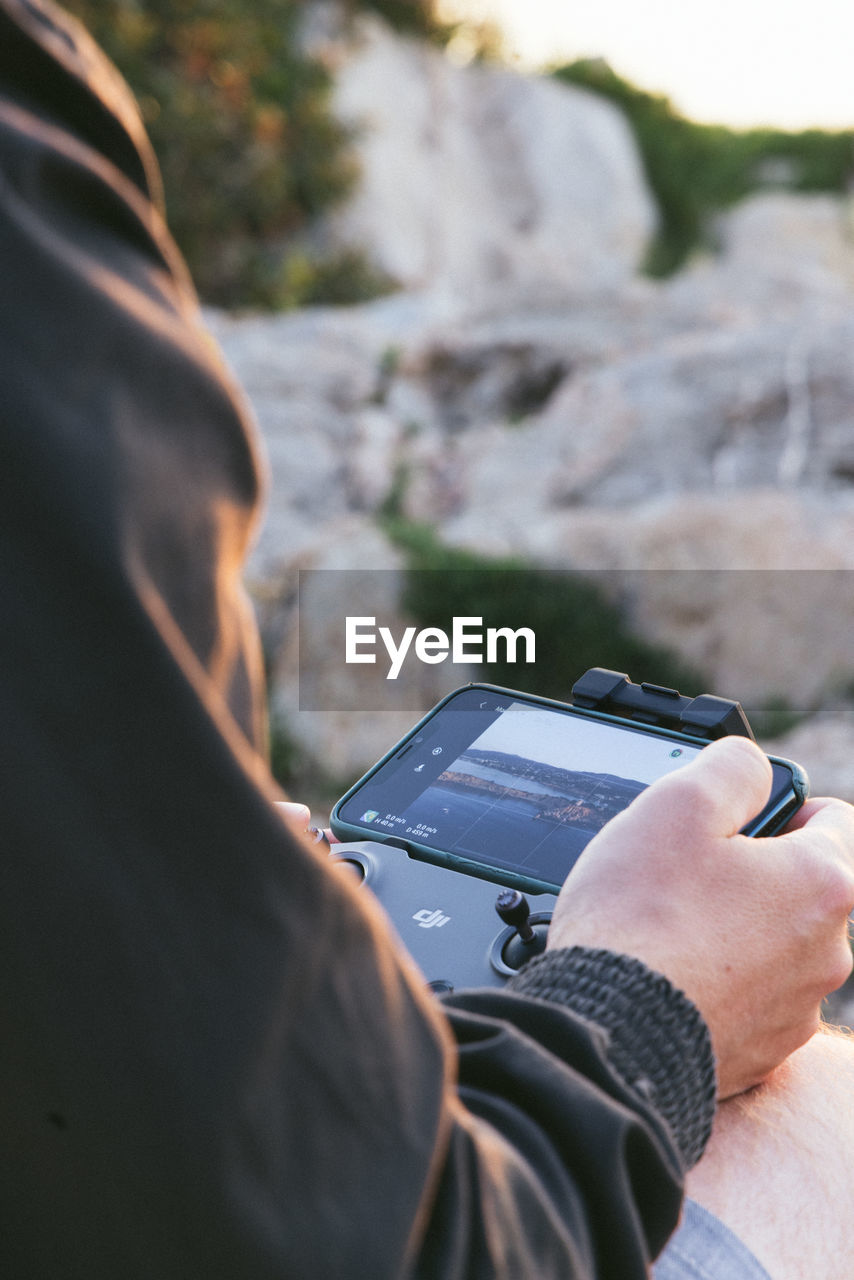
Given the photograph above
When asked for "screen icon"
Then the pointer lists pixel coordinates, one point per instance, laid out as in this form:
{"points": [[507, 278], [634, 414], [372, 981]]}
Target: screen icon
{"points": [[370, 814]]}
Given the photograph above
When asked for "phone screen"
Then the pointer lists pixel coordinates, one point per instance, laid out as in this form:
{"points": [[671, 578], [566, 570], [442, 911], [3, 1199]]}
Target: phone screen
{"points": [[510, 784]]}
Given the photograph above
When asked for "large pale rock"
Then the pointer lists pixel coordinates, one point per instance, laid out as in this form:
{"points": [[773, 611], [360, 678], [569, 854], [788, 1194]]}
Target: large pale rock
{"points": [[480, 180], [342, 742], [762, 636], [343, 717], [825, 748], [315, 380], [754, 588], [805, 240], [705, 412]]}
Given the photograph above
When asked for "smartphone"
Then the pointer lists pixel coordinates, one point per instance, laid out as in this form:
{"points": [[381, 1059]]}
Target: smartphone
{"points": [[511, 787]]}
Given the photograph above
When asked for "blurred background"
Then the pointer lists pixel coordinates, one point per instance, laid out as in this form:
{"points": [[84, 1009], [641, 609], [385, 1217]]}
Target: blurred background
{"points": [[545, 313]]}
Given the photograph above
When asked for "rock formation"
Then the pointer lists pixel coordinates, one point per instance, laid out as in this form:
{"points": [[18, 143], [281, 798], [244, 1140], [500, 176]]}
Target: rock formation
{"points": [[475, 181], [527, 391]]}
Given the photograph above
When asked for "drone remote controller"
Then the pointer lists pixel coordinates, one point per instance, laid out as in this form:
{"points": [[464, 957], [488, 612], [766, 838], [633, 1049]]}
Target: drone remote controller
{"points": [[466, 830]]}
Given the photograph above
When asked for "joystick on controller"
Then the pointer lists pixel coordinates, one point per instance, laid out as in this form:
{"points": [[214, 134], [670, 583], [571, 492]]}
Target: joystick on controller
{"points": [[526, 934]]}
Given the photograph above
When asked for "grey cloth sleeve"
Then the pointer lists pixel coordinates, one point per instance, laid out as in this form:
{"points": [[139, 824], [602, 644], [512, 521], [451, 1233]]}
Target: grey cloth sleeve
{"points": [[656, 1037]]}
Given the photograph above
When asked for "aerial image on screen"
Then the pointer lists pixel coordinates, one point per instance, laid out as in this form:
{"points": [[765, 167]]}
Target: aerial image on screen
{"points": [[536, 786]]}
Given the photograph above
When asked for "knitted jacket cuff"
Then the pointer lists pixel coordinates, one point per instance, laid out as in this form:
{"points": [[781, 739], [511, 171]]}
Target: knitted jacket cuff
{"points": [[656, 1038]]}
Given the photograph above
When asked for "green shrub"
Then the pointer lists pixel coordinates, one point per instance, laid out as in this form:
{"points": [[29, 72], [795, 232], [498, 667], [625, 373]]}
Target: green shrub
{"points": [[695, 170], [576, 625], [342, 278]]}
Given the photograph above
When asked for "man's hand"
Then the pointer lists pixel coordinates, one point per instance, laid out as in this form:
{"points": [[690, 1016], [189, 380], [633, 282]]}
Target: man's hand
{"points": [[298, 818], [754, 931]]}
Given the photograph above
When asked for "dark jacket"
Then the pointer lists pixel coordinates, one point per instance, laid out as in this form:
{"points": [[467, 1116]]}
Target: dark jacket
{"points": [[213, 1060]]}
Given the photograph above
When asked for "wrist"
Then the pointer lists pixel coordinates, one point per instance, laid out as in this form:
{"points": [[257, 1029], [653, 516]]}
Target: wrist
{"points": [[657, 1040]]}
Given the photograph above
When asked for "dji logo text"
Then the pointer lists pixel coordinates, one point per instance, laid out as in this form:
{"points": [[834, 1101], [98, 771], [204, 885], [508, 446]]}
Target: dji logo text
{"points": [[430, 919]]}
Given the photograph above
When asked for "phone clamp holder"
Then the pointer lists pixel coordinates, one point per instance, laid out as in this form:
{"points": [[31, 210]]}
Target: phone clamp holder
{"points": [[706, 716]]}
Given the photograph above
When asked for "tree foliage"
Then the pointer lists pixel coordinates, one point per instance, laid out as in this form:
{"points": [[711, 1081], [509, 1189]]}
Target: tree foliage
{"points": [[239, 118], [695, 170], [412, 17]]}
